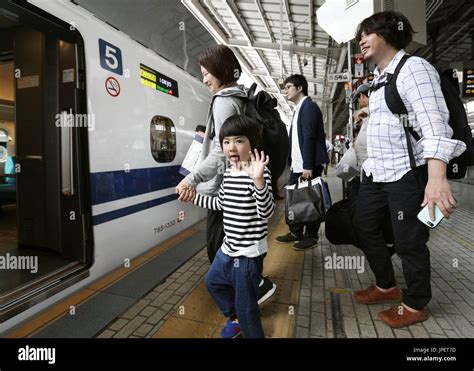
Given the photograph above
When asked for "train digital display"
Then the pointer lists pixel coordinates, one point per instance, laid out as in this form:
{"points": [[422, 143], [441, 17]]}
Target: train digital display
{"points": [[156, 80], [468, 83]]}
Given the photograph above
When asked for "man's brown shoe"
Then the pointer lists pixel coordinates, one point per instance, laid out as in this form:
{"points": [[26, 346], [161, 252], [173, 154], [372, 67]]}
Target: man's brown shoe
{"points": [[398, 316], [373, 295]]}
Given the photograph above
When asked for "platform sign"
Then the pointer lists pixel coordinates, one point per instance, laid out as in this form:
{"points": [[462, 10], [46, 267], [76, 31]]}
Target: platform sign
{"points": [[110, 57], [358, 70], [156, 80], [358, 65], [338, 77], [468, 83]]}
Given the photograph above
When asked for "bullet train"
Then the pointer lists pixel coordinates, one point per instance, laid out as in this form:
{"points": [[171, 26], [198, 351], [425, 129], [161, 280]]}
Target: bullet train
{"points": [[95, 128]]}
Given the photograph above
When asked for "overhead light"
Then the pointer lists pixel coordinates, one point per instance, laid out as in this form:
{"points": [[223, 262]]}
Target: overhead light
{"points": [[281, 83]]}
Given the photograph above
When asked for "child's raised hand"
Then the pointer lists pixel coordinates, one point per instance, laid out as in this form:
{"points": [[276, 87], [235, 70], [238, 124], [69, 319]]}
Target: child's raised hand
{"points": [[258, 161]]}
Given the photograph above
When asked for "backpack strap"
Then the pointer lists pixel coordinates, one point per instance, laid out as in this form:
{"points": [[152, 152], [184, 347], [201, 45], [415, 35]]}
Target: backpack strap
{"points": [[397, 107], [211, 107], [251, 91], [245, 100]]}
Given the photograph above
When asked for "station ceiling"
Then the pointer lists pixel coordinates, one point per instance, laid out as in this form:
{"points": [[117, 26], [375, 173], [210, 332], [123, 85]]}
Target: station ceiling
{"points": [[254, 28], [451, 24]]}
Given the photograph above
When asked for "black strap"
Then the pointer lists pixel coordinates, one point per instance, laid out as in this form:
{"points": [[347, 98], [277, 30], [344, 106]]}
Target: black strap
{"points": [[397, 107], [375, 87], [251, 91], [213, 129]]}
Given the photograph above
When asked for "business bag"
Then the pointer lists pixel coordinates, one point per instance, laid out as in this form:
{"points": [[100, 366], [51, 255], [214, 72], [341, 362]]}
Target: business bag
{"points": [[304, 202]]}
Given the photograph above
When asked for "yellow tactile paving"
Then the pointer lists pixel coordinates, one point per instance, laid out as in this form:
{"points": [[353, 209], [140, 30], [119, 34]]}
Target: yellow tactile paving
{"points": [[278, 320], [200, 307], [185, 328], [283, 270], [287, 291], [199, 317]]}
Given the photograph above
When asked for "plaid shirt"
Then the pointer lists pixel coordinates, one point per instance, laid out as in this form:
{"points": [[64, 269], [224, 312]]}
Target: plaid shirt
{"points": [[419, 86]]}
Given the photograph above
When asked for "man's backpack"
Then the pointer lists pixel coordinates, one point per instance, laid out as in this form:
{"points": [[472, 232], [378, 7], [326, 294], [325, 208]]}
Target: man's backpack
{"points": [[261, 107], [457, 167]]}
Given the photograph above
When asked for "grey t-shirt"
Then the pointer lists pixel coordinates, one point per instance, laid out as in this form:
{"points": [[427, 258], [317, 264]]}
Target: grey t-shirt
{"points": [[209, 173]]}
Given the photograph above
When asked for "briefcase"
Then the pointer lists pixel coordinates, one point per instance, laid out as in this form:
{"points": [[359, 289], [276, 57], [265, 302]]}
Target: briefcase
{"points": [[304, 202]]}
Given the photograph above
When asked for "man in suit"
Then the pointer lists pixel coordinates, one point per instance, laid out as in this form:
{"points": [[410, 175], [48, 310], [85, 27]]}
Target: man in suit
{"points": [[307, 154]]}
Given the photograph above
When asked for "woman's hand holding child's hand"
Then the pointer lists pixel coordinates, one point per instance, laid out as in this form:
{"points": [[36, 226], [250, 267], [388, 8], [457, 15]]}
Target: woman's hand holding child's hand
{"points": [[185, 192]]}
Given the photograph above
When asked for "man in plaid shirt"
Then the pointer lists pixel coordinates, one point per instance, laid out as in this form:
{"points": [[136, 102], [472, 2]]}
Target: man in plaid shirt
{"points": [[387, 177]]}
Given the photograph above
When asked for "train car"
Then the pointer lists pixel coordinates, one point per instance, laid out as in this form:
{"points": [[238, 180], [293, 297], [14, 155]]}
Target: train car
{"points": [[95, 127]]}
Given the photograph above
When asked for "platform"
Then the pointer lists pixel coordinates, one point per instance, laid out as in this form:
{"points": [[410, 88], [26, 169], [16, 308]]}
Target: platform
{"points": [[314, 302]]}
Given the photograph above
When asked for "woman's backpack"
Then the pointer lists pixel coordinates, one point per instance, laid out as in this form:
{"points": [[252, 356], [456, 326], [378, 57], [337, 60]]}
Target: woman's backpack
{"points": [[261, 107]]}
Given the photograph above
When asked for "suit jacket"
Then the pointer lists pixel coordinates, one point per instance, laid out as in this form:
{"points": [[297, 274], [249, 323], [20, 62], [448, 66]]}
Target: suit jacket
{"points": [[311, 136]]}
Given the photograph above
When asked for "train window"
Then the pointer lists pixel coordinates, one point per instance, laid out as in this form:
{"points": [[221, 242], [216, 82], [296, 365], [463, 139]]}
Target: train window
{"points": [[3, 135], [3, 148], [163, 139]]}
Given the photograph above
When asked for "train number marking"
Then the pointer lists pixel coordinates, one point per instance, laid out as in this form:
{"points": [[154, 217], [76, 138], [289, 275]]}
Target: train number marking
{"points": [[110, 57]]}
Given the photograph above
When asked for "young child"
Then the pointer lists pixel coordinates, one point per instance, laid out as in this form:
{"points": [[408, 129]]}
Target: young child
{"points": [[245, 196]]}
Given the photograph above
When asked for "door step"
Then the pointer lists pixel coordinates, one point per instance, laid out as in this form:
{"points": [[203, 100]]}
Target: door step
{"points": [[25, 296]]}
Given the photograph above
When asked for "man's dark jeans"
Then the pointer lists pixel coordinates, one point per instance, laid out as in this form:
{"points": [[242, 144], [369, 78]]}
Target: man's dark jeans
{"points": [[404, 198]]}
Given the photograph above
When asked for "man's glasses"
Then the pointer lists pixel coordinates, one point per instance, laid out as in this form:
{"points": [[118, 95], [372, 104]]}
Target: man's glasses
{"points": [[288, 86]]}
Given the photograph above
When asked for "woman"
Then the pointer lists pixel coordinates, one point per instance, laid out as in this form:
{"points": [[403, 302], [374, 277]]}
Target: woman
{"points": [[220, 71]]}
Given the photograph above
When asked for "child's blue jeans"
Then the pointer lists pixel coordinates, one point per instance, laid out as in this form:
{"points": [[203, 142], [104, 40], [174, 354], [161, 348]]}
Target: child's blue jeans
{"points": [[233, 283]]}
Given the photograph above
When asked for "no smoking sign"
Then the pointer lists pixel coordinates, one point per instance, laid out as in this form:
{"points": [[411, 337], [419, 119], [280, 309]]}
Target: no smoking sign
{"points": [[112, 86]]}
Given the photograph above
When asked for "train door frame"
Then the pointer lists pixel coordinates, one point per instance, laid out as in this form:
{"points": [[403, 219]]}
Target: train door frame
{"points": [[57, 85]]}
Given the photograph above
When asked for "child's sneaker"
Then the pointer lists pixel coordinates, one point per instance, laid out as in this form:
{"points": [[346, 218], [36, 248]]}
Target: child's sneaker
{"points": [[231, 329], [265, 290]]}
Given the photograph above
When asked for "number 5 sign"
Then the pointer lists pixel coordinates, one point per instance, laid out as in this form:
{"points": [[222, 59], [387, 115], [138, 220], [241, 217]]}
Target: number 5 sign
{"points": [[110, 57]]}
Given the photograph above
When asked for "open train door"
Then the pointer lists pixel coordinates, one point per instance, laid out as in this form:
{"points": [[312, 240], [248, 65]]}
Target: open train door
{"points": [[51, 160]]}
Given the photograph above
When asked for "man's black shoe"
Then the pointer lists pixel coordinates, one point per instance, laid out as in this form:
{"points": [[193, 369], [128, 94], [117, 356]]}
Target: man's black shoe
{"points": [[306, 244], [287, 238]]}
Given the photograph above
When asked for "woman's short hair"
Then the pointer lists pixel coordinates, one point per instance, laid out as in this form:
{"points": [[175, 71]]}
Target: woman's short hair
{"points": [[238, 125], [221, 62], [394, 27]]}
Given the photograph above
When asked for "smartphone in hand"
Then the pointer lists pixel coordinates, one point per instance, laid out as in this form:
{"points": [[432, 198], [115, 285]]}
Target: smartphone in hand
{"points": [[424, 216]]}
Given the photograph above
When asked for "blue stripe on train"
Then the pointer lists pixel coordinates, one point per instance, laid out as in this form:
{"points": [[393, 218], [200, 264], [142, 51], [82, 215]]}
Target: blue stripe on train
{"points": [[115, 185], [120, 213]]}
